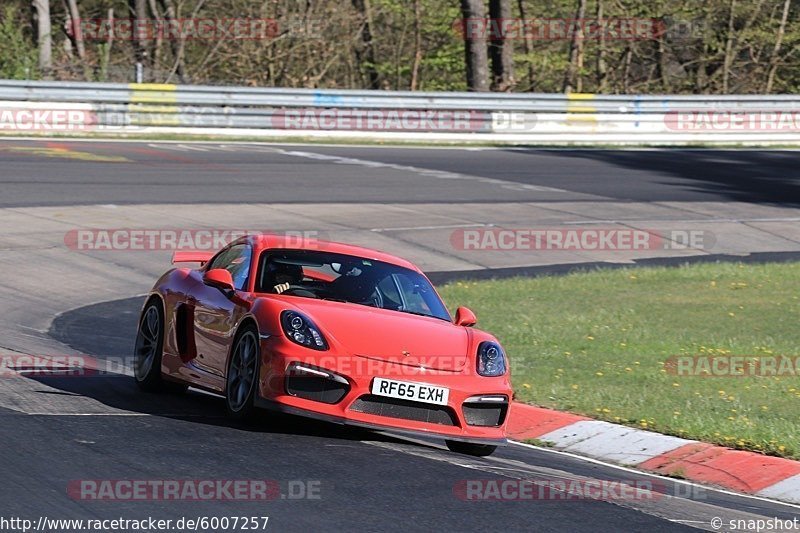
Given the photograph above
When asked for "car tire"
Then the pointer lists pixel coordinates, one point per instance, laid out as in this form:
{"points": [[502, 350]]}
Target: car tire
{"points": [[241, 378], [469, 448], [148, 350]]}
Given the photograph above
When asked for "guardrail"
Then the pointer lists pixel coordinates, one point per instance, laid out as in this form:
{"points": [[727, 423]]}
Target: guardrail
{"points": [[77, 108]]}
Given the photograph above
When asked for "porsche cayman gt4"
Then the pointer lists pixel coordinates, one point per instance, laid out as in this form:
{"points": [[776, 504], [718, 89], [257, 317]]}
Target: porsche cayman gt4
{"points": [[326, 330]]}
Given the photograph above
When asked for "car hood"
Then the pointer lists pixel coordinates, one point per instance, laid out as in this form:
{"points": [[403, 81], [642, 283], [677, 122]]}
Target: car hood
{"points": [[392, 336]]}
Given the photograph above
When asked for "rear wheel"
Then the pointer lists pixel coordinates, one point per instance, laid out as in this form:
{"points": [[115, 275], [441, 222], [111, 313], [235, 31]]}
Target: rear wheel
{"points": [[148, 350], [469, 448], [242, 376]]}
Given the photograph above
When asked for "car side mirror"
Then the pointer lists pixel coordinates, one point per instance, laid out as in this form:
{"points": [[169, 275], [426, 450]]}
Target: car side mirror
{"points": [[219, 278], [465, 317]]}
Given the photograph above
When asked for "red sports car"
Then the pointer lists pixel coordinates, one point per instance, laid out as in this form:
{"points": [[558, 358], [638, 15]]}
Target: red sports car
{"points": [[325, 330]]}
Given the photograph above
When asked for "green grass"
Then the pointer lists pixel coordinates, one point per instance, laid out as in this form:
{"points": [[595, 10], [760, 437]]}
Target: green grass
{"points": [[596, 343], [540, 443]]}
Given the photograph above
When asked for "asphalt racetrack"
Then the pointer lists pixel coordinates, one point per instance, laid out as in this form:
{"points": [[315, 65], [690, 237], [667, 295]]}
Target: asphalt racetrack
{"points": [[57, 430]]}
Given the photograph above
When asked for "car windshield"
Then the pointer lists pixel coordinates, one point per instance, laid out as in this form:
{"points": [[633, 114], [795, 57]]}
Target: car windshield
{"points": [[347, 278]]}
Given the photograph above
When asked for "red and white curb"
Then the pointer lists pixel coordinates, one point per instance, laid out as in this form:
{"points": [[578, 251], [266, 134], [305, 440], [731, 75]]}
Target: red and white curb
{"points": [[747, 472]]}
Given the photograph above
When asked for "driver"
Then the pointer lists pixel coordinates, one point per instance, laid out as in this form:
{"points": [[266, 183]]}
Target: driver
{"points": [[283, 276], [355, 284]]}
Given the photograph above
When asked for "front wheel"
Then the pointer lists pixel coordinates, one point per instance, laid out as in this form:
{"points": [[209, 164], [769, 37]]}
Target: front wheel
{"points": [[242, 377], [469, 448]]}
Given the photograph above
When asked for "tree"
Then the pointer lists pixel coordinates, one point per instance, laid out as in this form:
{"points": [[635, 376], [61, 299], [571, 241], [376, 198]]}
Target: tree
{"points": [[526, 41], [501, 50], [44, 34], [680, 46], [575, 51], [477, 59], [601, 69], [417, 45], [773, 58], [730, 37], [366, 55], [75, 19], [140, 37], [18, 55], [179, 66]]}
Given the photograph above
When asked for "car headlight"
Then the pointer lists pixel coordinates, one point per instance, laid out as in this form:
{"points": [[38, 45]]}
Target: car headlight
{"points": [[491, 359], [301, 330]]}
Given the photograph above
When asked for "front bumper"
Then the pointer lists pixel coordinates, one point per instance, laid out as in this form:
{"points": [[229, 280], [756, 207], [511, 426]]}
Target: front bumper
{"points": [[358, 407], [271, 405]]}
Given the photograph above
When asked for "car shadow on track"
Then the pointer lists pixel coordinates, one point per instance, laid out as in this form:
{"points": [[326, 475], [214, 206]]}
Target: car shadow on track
{"points": [[106, 331], [756, 176], [118, 394]]}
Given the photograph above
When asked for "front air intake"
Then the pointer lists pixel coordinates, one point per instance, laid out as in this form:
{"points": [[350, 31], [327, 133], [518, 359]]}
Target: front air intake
{"points": [[404, 409], [487, 411], [316, 384]]}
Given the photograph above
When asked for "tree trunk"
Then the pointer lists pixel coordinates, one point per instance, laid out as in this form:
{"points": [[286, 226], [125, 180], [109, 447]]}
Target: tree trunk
{"points": [[366, 56], [69, 31], [773, 59], [109, 45], [75, 17], [575, 50], [80, 45], [477, 58], [177, 46], [44, 35], [728, 61], [156, 59], [701, 75], [626, 69], [528, 48], [501, 50], [417, 45], [601, 69], [661, 64], [140, 38]]}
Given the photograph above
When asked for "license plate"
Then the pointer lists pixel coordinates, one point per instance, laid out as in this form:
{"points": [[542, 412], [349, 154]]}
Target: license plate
{"points": [[406, 390]]}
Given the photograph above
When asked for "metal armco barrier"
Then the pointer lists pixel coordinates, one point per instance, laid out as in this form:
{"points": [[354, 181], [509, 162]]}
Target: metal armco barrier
{"points": [[42, 107]]}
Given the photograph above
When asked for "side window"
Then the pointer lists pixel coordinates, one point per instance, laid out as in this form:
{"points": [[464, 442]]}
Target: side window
{"points": [[414, 299], [235, 260], [391, 297]]}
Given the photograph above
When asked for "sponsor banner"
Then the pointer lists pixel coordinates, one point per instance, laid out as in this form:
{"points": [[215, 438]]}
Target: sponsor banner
{"points": [[48, 120], [382, 120], [513, 122], [720, 120]]}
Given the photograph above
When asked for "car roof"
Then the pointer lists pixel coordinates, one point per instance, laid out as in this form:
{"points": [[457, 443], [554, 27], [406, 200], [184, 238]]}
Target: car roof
{"points": [[267, 241]]}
